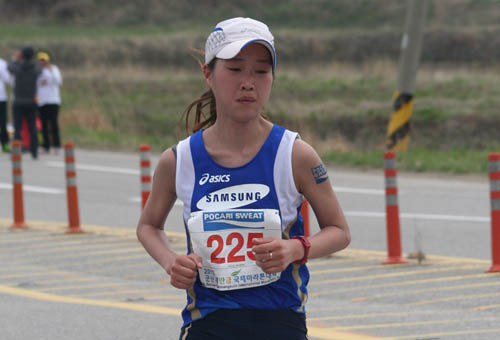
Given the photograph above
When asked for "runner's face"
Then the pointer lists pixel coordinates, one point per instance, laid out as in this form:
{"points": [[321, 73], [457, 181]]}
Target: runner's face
{"points": [[242, 85]]}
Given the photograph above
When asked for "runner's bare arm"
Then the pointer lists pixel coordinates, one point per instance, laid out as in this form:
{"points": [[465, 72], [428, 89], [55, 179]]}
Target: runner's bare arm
{"points": [[182, 269], [311, 179]]}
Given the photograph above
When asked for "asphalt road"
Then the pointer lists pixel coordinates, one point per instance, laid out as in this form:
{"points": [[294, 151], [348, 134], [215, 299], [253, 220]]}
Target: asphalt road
{"points": [[102, 284], [442, 215]]}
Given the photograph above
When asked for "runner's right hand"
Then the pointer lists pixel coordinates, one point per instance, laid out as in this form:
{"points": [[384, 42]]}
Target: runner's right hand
{"points": [[184, 270]]}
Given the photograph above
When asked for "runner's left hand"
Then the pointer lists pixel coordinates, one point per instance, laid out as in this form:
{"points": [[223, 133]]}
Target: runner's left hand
{"points": [[274, 255]]}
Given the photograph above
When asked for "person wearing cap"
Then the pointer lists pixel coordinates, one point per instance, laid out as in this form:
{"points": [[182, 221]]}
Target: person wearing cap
{"points": [[25, 72], [49, 101], [5, 78], [242, 180]]}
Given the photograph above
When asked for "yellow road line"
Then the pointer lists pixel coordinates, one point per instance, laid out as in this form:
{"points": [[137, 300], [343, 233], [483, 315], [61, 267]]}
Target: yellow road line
{"points": [[123, 266], [336, 261], [453, 298], [365, 316], [321, 333], [392, 274], [404, 283], [333, 307], [95, 253], [442, 334], [86, 286], [73, 279], [486, 307], [353, 269], [30, 274], [157, 297], [129, 291], [134, 249], [61, 227], [119, 258], [159, 271], [433, 289], [13, 267], [160, 297], [26, 238], [413, 323], [335, 334], [80, 301], [431, 259], [55, 247]]}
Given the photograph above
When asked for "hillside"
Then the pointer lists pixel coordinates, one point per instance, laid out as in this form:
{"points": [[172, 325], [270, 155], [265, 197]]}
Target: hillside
{"points": [[304, 14], [156, 33], [130, 68]]}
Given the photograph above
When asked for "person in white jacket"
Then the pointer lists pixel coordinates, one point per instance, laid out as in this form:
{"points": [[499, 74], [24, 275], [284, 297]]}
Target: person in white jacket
{"points": [[5, 78], [49, 102]]}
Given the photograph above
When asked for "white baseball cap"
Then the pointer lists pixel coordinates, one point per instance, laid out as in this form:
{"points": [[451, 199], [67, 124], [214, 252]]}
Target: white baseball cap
{"points": [[230, 36]]}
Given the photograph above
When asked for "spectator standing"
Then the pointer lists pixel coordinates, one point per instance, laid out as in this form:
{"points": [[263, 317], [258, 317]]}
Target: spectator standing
{"points": [[49, 101], [5, 78], [25, 72]]}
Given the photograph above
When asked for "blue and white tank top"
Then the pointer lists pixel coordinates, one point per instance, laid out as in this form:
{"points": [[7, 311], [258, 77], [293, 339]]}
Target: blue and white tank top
{"points": [[224, 208]]}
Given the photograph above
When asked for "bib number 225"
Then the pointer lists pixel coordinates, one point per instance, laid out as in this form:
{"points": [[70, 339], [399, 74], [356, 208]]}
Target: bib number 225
{"points": [[237, 241]]}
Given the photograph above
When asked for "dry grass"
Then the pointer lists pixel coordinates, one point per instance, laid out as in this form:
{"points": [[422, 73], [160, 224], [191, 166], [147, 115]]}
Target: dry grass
{"points": [[339, 106], [86, 118]]}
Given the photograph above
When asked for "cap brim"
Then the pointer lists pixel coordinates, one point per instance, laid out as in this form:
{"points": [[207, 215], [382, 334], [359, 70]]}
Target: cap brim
{"points": [[231, 50]]}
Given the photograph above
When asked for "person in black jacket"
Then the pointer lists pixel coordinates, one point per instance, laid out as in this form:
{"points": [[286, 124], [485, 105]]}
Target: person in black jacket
{"points": [[25, 72]]}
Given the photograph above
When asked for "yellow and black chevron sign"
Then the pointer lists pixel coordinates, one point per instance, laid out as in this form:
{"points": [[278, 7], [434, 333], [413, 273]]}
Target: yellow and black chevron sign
{"points": [[398, 132]]}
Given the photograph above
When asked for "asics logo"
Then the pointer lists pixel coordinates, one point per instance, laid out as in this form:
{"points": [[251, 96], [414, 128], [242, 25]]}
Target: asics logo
{"points": [[214, 178]]}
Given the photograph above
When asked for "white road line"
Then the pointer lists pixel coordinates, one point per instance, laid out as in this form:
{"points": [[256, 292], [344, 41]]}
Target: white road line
{"points": [[359, 191], [33, 188], [456, 218], [99, 168], [138, 199], [374, 214], [127, 171]]}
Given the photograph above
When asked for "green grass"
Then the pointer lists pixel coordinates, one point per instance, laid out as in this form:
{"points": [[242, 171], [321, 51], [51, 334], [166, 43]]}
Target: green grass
{"points": [[52, 31], [88, 138], [456, 161], [343, 111]]}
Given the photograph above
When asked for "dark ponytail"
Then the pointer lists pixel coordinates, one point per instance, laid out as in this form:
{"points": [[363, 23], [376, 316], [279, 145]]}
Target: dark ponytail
{"points": [[205, 111], [202, 118]]}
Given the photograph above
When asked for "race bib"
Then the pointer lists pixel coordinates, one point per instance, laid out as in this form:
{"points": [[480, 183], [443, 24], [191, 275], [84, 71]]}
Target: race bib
{"points": [[224, 239]]}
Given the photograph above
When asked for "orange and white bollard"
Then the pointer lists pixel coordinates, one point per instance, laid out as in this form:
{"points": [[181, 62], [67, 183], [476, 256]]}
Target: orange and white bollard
{"points": [[392, 210], [304, 211], [494, 174], [145, 173], [17, 186], [71, 189]]}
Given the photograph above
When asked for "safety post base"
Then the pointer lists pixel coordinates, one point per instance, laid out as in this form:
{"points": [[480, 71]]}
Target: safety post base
{"points": [[74, 230], [19, 226], [494, 269], [394, 260]]}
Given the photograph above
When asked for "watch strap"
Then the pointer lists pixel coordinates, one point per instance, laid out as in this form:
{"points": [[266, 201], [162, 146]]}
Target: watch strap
{"points": [[306, 244]]}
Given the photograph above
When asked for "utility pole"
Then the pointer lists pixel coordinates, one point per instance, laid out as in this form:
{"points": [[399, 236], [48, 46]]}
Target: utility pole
{"points": [[398, 131]]}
